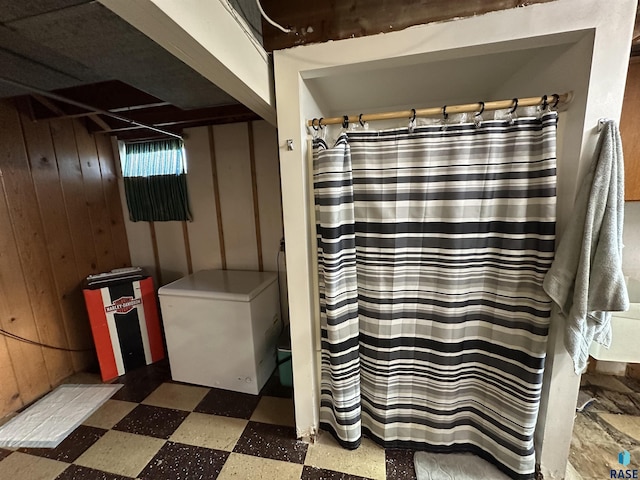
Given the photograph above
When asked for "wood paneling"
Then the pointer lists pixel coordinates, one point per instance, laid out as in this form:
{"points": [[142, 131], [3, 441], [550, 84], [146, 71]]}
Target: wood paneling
{"points": [[236, 196], [47, 246], [9, 393], [630, 132], [156, 254], [44, 171], [64, 141], [204, 235], [256, 200], [94, 195], [265, 144], [187, 247], [141, 248], [171, 250], [216, 193], [27, 226], [110, 186], [232, 201], [323, 21], [30, 373]]}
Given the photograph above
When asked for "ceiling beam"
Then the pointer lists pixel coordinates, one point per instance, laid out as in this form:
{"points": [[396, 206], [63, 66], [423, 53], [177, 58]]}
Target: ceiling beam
{"points": [[60, 113], [158, 114], [173, 118], [133, 134], [139, 107], [212, 40], [113, 96], [49, 105], [40, 115], [95, 118], [173, 115], [54, 96]]}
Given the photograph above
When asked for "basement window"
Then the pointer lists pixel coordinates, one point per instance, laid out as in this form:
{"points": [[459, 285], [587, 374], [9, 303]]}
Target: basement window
{"points": [[155, 181]]}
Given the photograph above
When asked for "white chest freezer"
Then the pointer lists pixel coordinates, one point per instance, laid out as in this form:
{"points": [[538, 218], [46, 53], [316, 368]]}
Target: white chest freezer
{"points": [[221, 328]]}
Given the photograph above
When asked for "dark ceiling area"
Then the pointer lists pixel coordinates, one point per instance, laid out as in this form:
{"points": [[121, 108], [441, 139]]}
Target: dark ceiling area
{"points": [[124, 100], [331, 20], [82, 51]]}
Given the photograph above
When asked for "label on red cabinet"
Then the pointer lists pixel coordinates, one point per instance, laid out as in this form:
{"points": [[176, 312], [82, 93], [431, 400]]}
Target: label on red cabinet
{"points": [[123, 305]]}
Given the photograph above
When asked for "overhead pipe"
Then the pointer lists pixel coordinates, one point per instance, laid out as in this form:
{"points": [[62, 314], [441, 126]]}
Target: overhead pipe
{"points": [[60, 98]]}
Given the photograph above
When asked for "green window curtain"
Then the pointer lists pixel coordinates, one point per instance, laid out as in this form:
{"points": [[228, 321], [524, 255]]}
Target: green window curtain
{"points": [[155, 181]]}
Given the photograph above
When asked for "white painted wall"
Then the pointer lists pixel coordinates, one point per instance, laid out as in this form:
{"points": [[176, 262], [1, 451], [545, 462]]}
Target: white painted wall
{"points": [[234, 181], [589, 41]]}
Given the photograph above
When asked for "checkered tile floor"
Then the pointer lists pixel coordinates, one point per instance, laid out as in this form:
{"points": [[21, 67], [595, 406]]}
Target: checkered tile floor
{"points": [[154, 428]]}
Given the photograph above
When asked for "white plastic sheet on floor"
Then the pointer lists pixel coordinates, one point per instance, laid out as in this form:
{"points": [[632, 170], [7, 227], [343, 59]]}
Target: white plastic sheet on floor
{"points": [[46, 423]]}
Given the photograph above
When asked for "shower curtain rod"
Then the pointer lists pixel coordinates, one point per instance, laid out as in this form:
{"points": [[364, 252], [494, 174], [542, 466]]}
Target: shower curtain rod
{"points": [[553, 100]]}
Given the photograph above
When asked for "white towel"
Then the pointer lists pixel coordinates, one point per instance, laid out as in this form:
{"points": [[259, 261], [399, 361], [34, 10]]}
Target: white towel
{"points": [[586, 280]]}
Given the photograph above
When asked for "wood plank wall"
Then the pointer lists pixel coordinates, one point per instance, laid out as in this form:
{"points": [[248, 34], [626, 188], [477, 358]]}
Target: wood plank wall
{"points": [[60, 220], [629, 123], [234, 189]]}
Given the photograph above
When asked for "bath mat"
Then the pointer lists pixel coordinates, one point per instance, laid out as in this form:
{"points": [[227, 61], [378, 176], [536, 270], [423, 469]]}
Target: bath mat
{"points": [[454, 466], [47, 422]]}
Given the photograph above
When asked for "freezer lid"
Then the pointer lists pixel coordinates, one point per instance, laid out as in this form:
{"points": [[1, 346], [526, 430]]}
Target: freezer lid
{"points": [[234, 285]]}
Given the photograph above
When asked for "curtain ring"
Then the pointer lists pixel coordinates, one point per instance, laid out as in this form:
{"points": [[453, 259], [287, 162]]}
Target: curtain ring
{"points": [[515, 105], [360, 120], [481, 109], [413, 115], [313, 124], [320, 122], [345, 121], [557, 99], [445, 115], [545, 104]]}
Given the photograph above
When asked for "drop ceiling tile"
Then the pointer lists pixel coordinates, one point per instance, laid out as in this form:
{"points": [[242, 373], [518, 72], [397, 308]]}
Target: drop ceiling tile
{"points": [[12, 10], [93, 36]]}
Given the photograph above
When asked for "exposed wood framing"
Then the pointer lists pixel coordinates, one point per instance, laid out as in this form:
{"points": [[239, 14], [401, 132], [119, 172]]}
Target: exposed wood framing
{"points": [[55, 232], [59, 112], [323, 21], [187, 247], [216, 193], [629, 122], [254, 189], [156, 254], [119, 98], [49, 104]]}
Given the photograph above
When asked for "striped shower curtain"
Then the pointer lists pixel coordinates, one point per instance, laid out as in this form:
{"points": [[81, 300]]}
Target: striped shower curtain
{"points": [[432, 248]]}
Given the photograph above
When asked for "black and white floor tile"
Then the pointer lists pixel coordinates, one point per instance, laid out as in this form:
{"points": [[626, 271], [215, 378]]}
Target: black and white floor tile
{"points": [[154, 428]]}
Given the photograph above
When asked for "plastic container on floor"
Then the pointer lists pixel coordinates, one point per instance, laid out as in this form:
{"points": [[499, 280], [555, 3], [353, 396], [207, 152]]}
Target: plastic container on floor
{"points": [[285, 370]]}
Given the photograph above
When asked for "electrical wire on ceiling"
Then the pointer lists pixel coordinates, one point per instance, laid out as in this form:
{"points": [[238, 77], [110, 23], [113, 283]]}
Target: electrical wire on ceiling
{"points": [[246, 28], [256, 30], [266, 17]]}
